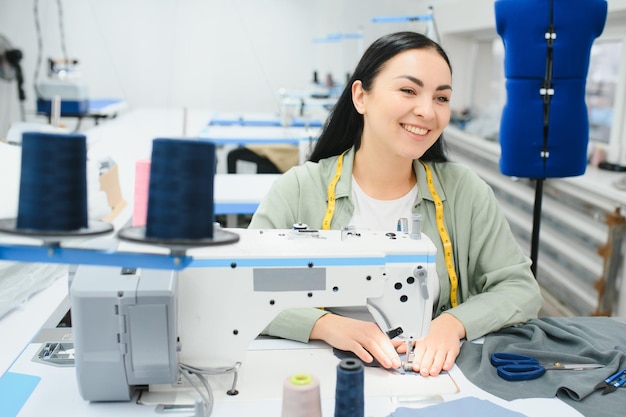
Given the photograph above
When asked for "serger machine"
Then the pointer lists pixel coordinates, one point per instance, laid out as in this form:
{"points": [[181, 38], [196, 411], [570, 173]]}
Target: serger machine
{"points": [[138, 327]]}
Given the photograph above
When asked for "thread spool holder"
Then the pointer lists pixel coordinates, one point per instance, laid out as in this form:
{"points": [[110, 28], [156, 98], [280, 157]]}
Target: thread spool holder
{"points": [[95, 228], [53, 225], [178, 247], [51, 250]]}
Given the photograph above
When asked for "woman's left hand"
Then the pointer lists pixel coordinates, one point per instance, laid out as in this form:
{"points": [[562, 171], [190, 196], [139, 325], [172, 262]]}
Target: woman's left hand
{"points": [[439, 349]]}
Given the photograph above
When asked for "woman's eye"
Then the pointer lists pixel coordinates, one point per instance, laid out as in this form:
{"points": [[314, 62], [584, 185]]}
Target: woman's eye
{"points": [[443, 99], [407, 90]]}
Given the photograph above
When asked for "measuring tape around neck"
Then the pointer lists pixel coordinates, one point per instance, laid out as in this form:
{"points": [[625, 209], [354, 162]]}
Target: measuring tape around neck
{"points": [[441, 226], [445, 238], [330, 210]]}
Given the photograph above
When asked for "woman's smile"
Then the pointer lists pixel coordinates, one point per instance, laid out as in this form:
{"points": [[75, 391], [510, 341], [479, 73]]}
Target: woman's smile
{"points": [[414, 129]]}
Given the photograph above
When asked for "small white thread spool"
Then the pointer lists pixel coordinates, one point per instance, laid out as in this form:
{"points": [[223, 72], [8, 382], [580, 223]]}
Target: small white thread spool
{"points": [[416, 227], [301, 396]]}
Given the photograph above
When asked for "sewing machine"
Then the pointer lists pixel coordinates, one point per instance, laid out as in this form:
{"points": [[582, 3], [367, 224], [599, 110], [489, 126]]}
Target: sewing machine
{"points": [[140, 327]]}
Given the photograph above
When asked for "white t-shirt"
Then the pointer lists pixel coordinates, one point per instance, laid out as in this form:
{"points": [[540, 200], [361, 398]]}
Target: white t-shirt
{"points": [[380, 215]]}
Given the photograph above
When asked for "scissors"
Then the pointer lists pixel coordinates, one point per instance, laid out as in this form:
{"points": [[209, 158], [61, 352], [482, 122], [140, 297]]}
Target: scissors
{"points": [[514, 367]]}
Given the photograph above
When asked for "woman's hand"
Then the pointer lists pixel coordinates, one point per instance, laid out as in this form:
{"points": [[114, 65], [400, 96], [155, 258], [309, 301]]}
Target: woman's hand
{"points": [[439, 349], [362, 338]]}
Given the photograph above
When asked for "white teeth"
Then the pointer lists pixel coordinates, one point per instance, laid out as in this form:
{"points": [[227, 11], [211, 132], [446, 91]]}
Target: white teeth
{"points": [[415, 130]]}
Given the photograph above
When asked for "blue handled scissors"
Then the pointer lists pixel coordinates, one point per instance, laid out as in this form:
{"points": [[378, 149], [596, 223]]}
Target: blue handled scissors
{"points": [[514, 367]]}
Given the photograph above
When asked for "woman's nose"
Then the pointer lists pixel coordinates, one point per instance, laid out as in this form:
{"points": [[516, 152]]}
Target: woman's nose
{"points": [[423, 107]]}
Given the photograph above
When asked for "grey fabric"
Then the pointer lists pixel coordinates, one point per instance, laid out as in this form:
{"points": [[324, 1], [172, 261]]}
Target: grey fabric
{"points": [[567, 340]]}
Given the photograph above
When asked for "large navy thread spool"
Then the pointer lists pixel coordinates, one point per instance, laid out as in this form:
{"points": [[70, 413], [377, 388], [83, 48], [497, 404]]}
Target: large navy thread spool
{"points": [[349, 401], [180, 192], [53, 182]]}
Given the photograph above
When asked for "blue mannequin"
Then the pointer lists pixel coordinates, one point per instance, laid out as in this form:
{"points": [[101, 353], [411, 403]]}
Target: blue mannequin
{"points": [[544, 130]]}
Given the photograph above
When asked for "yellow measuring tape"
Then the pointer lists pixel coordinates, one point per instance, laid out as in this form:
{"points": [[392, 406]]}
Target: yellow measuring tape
{"points": [[330, 210], [441, 226], [445, 238]]}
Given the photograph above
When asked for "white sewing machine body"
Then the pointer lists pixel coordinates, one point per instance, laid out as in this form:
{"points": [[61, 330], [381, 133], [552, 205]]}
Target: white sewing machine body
{"points": [[135, 327]]}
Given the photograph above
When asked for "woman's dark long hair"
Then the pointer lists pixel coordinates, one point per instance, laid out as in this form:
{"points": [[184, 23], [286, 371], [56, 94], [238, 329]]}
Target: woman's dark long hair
{"points": [[344, 125]]}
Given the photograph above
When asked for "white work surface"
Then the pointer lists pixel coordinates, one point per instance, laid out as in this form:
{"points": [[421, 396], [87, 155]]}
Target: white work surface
{"points": [[302, 137], [244, 119], [240, 193], [106, 107], [258, 135], [260, 119], [56, 393]]}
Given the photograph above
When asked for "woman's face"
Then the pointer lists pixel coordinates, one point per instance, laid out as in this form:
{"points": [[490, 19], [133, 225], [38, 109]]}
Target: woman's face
{"points": [[408, 106]]}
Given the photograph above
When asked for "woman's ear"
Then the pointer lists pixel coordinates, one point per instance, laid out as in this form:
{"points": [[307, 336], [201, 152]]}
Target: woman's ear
{"points": [[358, 96]]}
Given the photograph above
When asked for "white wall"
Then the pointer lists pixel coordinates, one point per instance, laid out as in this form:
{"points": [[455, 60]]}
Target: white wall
{"points": [[221, 54], [224, 54]]}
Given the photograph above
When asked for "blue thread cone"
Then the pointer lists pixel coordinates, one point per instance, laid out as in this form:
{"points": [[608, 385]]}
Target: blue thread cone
{"points": [[53, 182], [349, 401], [180, 193]]}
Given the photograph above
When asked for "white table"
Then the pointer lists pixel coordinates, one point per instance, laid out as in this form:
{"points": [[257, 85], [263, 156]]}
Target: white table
{"points": [[235, 194], [258, 135], [260, 119], [41, 389], [97, 109], [236, 135], [103, 108], [240, 193]]}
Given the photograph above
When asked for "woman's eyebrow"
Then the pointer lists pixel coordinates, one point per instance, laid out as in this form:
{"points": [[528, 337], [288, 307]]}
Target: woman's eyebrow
{"points": [[421, 83]]}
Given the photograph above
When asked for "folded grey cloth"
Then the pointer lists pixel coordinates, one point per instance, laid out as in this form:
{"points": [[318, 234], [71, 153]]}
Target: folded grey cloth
{"points": [[549, 340]]}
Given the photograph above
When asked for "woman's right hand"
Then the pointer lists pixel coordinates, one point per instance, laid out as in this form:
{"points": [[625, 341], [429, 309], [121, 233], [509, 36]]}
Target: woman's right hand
{"points": [[365, 339]]}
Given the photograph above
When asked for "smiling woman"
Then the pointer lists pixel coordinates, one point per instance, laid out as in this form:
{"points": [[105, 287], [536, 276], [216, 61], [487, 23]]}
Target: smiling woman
{"points": [[379, 158], [403, 116]]}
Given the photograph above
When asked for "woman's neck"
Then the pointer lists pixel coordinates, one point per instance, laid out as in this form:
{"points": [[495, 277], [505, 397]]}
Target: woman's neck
{"points": [[383, 178]]}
